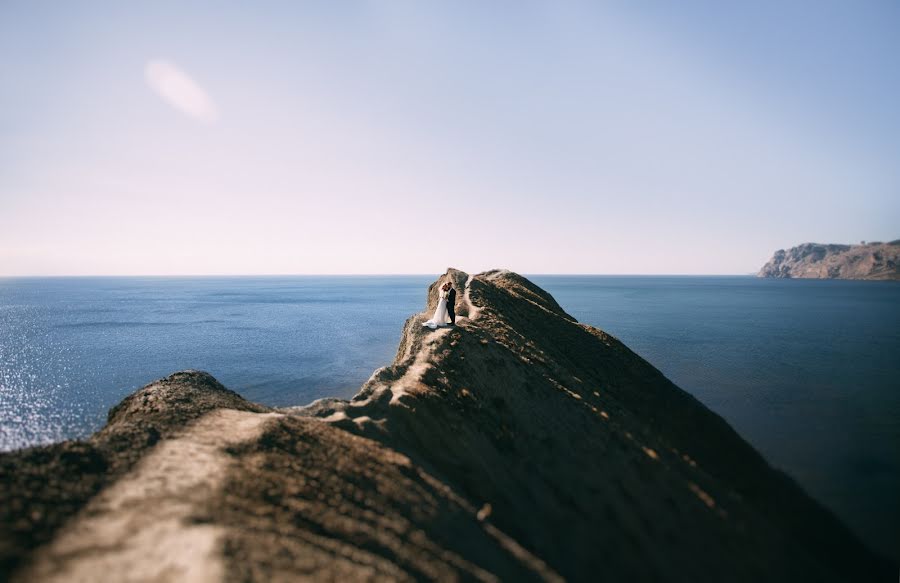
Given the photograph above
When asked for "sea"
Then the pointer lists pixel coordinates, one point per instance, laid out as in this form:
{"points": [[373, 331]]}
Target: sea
{"points": [[808, 371]]}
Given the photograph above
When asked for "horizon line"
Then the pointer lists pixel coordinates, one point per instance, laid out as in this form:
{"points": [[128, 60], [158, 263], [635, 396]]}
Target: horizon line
{"points": [[368, 274]]}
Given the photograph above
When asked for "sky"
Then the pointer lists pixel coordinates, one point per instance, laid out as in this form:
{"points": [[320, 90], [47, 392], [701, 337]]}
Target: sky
{"points": [[392, 136]]}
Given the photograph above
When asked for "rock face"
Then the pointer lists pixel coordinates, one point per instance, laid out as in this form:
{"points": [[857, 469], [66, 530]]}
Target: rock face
{"points": [[815, 261], [518, 446]]}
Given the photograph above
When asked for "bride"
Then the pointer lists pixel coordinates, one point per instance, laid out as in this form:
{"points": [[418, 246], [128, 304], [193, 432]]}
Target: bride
{"points": [[440, 313]]}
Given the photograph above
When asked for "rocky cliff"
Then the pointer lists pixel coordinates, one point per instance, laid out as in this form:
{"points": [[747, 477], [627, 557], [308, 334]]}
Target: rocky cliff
{"points": [[518, 446], [816, 261]]}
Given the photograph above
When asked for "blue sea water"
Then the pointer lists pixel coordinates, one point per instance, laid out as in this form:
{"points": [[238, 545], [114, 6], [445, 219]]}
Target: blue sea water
{"points": [[808, 371]]}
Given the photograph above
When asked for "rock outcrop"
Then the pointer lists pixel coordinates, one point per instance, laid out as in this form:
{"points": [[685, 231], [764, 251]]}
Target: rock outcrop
{"points": [[816, 261], [518, 446]]}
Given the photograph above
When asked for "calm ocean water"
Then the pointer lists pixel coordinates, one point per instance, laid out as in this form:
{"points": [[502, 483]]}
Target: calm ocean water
{"points": [[807, 371]]}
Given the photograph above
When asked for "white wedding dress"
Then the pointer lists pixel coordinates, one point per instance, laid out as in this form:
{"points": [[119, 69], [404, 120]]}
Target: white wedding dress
{"points": [[440, 313]]}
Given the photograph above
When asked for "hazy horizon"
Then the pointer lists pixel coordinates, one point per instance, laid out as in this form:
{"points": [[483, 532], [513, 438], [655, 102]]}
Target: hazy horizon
{"points": [[397, 138], [362, 274]]}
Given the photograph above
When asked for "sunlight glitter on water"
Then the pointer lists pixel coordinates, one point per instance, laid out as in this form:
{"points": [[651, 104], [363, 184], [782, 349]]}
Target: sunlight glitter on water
{"points": [[33, 410]]}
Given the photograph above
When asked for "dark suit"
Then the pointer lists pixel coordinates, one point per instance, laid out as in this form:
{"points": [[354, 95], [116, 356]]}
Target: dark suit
{"points": [[451, 303]]}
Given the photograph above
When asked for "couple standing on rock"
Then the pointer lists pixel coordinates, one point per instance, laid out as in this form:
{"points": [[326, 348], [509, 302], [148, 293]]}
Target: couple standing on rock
{"points": [[445, 308]]}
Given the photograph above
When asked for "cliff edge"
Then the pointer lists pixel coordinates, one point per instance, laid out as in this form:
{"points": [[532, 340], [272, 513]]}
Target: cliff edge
{"points": [[817, 261], [520, 445]]}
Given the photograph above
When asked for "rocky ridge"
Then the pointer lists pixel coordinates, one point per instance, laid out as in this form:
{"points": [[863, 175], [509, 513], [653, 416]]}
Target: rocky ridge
{"points": [[520, 445], [817, 261]]}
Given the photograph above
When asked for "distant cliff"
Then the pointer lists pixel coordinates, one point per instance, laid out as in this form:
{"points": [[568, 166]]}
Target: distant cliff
{"points": [[817, 261], [520, 445]]}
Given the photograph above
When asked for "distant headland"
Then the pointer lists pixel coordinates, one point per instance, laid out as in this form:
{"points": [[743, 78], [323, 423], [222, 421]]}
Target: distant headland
{"points": [[874, 260]]}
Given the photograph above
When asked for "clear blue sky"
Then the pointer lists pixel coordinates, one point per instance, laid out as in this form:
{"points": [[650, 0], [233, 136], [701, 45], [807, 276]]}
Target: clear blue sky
{"points": [[405, 137]]}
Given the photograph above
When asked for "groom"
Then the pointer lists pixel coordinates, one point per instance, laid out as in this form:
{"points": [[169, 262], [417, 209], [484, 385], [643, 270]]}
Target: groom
{"points": [[451, 302]]}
